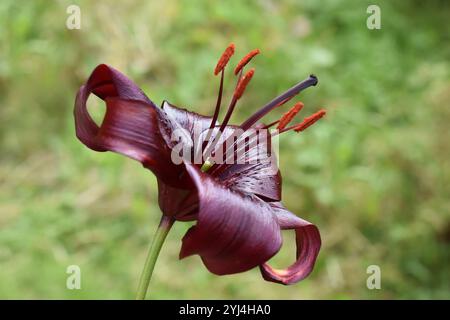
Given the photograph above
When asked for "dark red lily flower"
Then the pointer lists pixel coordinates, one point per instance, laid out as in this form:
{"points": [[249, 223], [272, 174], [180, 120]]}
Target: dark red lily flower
{"points": [[237, 208]]}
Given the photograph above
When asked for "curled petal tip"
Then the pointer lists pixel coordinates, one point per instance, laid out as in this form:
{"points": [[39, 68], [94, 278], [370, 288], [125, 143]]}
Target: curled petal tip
{"points": [[308, 246]]}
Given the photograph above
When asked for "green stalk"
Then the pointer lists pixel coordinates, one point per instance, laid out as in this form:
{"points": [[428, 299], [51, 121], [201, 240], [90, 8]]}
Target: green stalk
{"points": [[153, 252]]}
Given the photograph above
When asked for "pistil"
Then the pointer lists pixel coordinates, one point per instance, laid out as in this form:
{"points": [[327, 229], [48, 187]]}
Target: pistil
{"points": [[283, 98]]}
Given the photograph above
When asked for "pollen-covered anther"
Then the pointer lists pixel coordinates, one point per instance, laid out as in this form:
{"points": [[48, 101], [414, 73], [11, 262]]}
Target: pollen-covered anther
{"points": [[243, 82], [309, 121], [245, 60], [226, 55], [288, 116]]}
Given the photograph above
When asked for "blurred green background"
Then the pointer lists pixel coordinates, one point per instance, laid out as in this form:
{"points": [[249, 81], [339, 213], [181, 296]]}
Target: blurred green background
{"points": [[373, 175]]}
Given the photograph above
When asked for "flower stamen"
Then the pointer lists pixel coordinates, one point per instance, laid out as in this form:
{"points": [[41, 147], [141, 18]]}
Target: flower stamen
{"points": [[245, 60], [224, 58], [307, 122], [218, 102], [238, 92], [288, 116], [267, 126], [242, 84]]}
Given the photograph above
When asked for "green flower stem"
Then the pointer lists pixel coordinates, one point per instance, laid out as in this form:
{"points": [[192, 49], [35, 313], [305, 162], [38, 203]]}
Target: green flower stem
{"points": [[155, 247]]}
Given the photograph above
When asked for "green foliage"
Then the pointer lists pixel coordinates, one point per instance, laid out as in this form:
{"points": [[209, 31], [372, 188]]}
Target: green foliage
{"points": [[373, 175]]}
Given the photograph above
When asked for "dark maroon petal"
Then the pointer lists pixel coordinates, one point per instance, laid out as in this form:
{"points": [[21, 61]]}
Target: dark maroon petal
{"points": [[130, 127], [250, 173], [234, 232], [256, 179], [182, 126], [180, 203], [308, 246], [104, 82], [190, 121]]}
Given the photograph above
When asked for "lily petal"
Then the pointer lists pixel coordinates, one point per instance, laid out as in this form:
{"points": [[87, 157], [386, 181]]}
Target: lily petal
{"points": [[188, 120], [257, 178], [180, 203], [104, 82], [234, 232], [190, 126], [308, 246], [254, 169], [130, 127]]}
